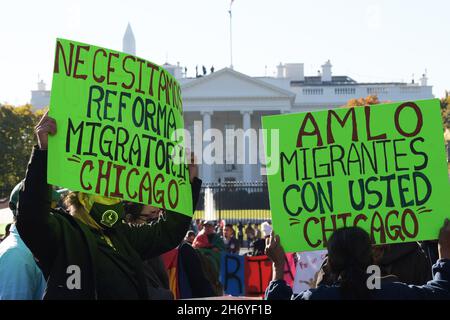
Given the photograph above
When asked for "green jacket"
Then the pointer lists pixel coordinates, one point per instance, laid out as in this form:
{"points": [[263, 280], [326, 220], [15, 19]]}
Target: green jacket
{"points": [[58, 241]]}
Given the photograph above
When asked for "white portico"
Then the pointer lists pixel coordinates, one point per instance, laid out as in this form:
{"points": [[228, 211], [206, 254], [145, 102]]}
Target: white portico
{"points": [[227, 99]]}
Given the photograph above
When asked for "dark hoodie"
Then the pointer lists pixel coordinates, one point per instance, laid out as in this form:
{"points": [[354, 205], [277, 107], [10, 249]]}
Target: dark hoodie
{"points": [[438, 288], [407, 261]]}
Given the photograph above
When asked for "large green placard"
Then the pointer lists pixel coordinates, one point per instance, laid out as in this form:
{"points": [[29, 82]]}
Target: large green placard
{"points": [[382, 168], [119, 128]]}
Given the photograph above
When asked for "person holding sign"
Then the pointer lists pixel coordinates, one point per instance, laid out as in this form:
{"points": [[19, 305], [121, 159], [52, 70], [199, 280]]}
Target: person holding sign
{"points": [[89, 253], [350, 257]]}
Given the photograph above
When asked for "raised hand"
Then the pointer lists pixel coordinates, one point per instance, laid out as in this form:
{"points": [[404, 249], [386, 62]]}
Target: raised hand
{"points": [[444, 241], [275, 252], [45, 127]]}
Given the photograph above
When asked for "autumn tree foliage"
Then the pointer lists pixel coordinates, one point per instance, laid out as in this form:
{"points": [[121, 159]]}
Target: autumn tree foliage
{"points": [[445, 110], [357, 102]]}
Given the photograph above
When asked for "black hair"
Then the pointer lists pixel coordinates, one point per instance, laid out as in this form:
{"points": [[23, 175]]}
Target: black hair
{"points": [[133, 208], [190, 233], [349, 254], [8, 228], [229, 225], [13, 208]]}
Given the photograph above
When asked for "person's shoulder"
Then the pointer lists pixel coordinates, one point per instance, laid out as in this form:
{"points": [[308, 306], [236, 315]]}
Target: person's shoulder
{"points": [[10, 244], [322, 292], [6, 249], [61, 213], [15, 252], [394, 290], [63, 217]]}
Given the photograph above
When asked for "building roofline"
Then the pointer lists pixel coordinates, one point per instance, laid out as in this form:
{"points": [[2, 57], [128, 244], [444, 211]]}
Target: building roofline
{"points": [[199, 80]]}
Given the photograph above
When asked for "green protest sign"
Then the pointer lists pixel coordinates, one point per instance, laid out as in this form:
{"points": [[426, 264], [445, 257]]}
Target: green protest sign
{"points": [[120, 128], [382, 168]]}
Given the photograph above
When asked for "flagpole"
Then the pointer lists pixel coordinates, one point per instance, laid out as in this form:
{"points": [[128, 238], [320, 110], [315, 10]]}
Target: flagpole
{"points": [[231, 37]]}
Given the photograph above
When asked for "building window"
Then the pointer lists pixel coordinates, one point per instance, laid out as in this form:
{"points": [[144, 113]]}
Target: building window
{"points": [[312, 92], [344, 91], [409, 90], [377, 90]]}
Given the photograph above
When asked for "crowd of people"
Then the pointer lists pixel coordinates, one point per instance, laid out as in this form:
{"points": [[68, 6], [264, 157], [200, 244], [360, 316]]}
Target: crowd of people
{"points": [[211, 234], [345, 276], [93, 247]]}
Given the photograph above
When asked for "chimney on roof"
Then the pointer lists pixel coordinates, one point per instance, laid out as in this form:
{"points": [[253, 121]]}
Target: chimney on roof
{"points": [[41, 85], [424, 80], [295, 71], [326, 72], [175, 70], [280, 70]]}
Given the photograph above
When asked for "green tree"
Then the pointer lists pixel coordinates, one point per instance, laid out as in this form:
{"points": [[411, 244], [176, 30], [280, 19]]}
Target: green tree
{"points": [[16, 141], [373, 99]]}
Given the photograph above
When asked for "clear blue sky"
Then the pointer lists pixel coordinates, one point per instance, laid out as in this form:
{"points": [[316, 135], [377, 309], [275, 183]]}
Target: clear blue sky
{"points": [[387, 40]]}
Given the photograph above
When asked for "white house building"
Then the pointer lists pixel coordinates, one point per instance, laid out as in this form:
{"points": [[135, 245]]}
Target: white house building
{"points": [[228, 99]]}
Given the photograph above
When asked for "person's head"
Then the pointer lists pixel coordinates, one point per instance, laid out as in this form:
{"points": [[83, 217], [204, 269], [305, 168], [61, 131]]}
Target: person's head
{"points": [[137, 213], [208, 226], [190, 236], [96, 211], [151, 213], [14, 199], [56, 196], [266, 229], [349, 255], [228, 231]]}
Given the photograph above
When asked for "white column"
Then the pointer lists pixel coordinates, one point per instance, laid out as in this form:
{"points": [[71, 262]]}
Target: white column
{"points": [[207, 169], [246, 125]]}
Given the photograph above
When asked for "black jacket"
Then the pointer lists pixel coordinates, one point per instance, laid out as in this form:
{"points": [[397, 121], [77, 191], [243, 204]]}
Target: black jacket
{"points": [[438, 288], [157, 279], [59, 241], [407, 261]]}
